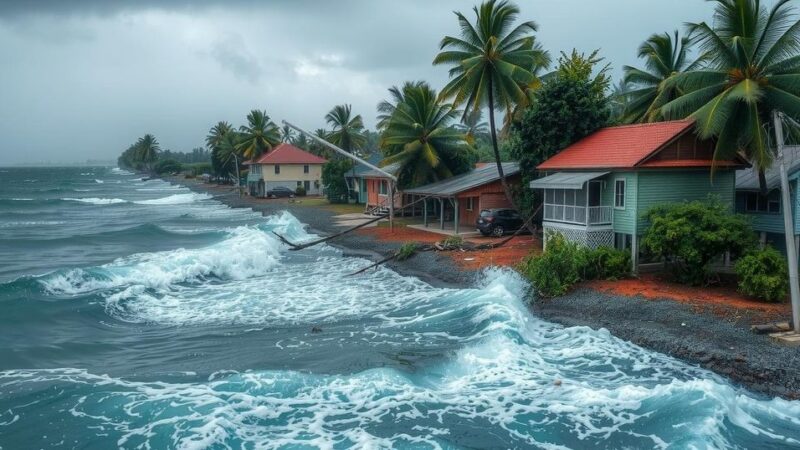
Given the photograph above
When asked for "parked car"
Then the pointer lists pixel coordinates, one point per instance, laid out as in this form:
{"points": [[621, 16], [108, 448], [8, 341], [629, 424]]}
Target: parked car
{"points": [[496, 222], [280, 191]]}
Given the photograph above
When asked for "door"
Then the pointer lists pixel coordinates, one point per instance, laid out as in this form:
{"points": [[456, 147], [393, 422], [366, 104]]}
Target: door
{"points": [[307, 185], [595, 188]]}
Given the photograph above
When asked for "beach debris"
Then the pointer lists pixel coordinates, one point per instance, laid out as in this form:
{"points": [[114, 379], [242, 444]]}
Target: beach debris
{"points": [[315, 329], [557, 382]]}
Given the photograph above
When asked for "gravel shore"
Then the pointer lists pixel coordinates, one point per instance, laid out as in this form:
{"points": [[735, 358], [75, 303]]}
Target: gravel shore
{"points": [[683, 331]]}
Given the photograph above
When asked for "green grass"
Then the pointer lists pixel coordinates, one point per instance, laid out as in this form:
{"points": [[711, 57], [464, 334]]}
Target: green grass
{"points": [[321, 202]]}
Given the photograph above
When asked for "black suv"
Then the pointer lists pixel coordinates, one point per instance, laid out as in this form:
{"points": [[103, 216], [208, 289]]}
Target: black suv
{"points": [[280, 191], [498, 221]]}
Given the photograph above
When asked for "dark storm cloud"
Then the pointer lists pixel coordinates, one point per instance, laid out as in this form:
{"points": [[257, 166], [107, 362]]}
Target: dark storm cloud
{"points": [[173, 68]]}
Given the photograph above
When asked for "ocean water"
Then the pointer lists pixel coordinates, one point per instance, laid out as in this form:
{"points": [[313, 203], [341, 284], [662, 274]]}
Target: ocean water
{"points": [[137, 314]]}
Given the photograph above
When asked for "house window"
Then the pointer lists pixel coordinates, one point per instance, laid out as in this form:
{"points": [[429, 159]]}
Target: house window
{"points": [[619, 194], [305, 168], [277, 169], [383, 189], [470, 203], [757, 203]]}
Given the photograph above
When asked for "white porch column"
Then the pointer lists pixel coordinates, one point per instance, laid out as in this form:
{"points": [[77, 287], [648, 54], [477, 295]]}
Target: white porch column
{"points": [[455, 220]]}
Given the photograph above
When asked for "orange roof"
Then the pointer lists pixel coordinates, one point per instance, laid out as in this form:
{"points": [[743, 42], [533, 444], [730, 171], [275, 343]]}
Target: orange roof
{"points": [[621, 147], [288, 154]]}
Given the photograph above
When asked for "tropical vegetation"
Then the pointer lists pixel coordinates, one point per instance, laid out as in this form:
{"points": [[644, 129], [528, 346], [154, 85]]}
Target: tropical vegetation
{"points": [[763, 273], [259, 136], [493, 65], [420, 137]]}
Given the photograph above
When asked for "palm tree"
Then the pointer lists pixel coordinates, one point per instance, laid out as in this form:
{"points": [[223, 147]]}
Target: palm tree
{"points": [[665, 56], [492, 65], [259, 136], [386, 107], [753, 69], [473, 126], [347, 131], [147, 149], [287, 134], [619, 101], [420, 137], [216, 133]]}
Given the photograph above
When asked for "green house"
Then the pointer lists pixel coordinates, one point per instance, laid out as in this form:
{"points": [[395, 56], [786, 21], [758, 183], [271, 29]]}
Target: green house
{"points": [[597, 190], [765, 209]]}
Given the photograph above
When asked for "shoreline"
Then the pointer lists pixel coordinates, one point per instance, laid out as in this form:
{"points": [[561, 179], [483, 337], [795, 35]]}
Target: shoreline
{"points": [[687, 332]]}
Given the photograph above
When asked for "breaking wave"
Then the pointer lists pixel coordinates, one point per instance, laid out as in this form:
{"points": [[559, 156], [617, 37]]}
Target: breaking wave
{"points": [[96, 200], [175, 199]]}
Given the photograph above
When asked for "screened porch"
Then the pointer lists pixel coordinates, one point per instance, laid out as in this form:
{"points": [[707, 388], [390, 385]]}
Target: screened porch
{"points": [[574, 198]]}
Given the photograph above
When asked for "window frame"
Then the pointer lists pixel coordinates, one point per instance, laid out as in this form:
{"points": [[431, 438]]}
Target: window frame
{"points": [[470, 203], [277, 169], [617, 195], [306, 168]]}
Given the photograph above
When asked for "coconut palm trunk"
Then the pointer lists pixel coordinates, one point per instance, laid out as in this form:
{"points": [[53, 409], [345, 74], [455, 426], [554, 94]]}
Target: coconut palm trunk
{"points": [[496, 149]]}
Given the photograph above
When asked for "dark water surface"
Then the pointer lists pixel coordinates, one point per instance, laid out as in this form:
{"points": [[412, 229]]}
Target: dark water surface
{"points": [[137, 314]]}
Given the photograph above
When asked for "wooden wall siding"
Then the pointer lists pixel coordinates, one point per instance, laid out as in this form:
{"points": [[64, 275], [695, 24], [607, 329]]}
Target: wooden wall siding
{"points": [[373, 196], [625, 219], [659, 187], [771, 223], [686, 147]]}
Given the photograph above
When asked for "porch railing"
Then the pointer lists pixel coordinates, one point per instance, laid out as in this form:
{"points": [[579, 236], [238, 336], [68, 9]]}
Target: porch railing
{"points": [[597, 215]]}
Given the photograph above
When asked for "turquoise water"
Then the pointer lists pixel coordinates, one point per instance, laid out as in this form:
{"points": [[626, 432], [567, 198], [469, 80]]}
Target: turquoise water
{"points": [[137, 314]]}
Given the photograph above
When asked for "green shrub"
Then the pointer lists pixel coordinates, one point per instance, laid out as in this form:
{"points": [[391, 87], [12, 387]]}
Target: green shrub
{"points": [[453, 241], [565, 263], [167, 166], [333, 173], [763, 274], [300, 191], [605, 263], [406, 251], [691, 235], [557, 269]]}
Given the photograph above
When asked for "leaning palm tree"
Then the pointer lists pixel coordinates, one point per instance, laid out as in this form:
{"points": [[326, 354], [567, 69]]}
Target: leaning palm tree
{"points": [[492, 65], [147, 149], [665, 56], [216, 133], [347, 131], [419, 137], [260, 135], [753, 70]]}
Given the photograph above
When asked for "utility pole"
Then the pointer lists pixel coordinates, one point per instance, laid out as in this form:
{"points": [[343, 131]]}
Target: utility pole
{"points": [[392, 178], [788, 224]]}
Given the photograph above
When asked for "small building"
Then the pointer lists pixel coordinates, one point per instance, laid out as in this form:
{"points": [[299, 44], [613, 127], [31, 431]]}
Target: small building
{"points": [[377, 190], [285, 166], [461, 198], [597, 190], [766, 209], [356, 183]]}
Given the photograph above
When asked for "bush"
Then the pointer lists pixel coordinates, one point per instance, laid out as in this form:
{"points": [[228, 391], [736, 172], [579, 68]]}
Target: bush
{"points": [[453, 241], [691, 235], [333, 173], [167, 166], [565, 263], [406, 251], [606, 263], [300, 191], [763, 274]]}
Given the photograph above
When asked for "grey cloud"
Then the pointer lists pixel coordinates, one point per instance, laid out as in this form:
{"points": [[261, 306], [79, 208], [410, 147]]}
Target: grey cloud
{"points": [[232, 54]]}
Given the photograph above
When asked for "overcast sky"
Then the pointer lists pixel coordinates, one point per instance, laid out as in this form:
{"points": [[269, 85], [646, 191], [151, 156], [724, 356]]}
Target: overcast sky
{"points": [[84, 78]]}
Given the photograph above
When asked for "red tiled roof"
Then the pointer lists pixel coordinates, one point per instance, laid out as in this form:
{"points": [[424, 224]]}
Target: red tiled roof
{"points": [[621, 147], [288, 154], [690, 163]]}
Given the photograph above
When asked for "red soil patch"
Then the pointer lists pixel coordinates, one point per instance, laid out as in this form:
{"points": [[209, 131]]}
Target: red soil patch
{"points": [[724, 301], [507, 255]]}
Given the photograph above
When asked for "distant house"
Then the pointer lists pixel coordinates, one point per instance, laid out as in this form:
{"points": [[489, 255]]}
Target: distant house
{"points": [[286, 166], [597, 189], [356, 182], [377, 189], [461, 198], [765, 209]]}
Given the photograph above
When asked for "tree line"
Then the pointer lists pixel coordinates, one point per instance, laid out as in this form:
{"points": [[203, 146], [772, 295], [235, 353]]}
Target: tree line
{"points": [[729, 75]]}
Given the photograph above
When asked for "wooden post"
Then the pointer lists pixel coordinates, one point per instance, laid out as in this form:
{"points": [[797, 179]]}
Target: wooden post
{"points": [[441, 213], [391, 206], [425, 212], [455, 214], [635, 253], [788, 224]]}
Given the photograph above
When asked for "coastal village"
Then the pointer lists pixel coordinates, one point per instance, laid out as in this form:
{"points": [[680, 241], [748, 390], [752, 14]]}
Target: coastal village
{"points": [[676, 184]]}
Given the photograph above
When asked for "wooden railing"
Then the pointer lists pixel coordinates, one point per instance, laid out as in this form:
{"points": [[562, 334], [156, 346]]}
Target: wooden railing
{"points": [[597, 215]]}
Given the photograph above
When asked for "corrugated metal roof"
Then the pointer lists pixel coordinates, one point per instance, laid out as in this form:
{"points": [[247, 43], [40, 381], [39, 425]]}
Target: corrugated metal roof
{"points": [[361, 169], [747, 179], [465, 181], [391, 168], [565, 180]]}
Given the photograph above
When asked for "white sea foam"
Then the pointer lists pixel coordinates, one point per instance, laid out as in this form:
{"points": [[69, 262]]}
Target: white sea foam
{"points": [[119, 171], [30, 223], [96, 200], [247, 252], [98, 181], [22, 199], [175, 199]]}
